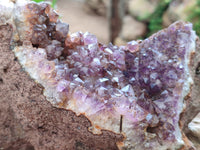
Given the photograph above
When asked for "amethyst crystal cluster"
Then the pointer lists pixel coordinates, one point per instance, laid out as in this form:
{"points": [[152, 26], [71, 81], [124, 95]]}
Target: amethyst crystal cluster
{"points": [[136, 89]]}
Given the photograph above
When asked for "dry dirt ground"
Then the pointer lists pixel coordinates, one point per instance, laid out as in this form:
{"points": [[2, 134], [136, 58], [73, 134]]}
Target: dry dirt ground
{"points": [[72, 12]]}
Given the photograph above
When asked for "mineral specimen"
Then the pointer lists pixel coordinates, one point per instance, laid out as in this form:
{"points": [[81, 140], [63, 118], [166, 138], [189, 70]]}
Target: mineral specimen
{"points": [[137, 89]]}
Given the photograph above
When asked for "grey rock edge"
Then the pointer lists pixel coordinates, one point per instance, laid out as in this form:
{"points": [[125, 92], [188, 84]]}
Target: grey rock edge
{"points": [[194, 126]]}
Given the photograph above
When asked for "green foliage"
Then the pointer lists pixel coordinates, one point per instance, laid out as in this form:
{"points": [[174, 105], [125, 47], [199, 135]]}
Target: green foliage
{"points": [[53, 3], [37, 1], [144, 17], [156, 20], [194, 17]]}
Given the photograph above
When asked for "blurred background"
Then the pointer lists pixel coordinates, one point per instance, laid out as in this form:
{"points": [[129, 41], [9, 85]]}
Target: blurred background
{"points": [[120, 21]]}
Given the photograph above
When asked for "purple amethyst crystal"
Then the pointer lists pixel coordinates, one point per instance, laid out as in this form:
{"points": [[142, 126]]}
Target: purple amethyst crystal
{"points": [[137, 89], [54, 50], [62, 30]]}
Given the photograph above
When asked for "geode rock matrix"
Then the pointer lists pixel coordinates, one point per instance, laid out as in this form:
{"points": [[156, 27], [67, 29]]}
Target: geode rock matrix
{"points": [[138, 90]]}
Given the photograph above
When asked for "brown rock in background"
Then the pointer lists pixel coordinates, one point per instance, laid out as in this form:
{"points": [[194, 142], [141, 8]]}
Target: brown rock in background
{"points": [[29, 122], [142, 9], [132, 29], [194, 133], [97, 6], [178, 10], [194, 126]]}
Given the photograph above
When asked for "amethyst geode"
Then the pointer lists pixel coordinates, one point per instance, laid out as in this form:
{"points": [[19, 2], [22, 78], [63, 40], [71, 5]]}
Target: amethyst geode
{"points": [[137, 89]]}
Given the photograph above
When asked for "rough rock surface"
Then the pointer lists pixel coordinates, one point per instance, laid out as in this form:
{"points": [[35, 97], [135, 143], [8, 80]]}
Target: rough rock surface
{"points": [[29, 122]]}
